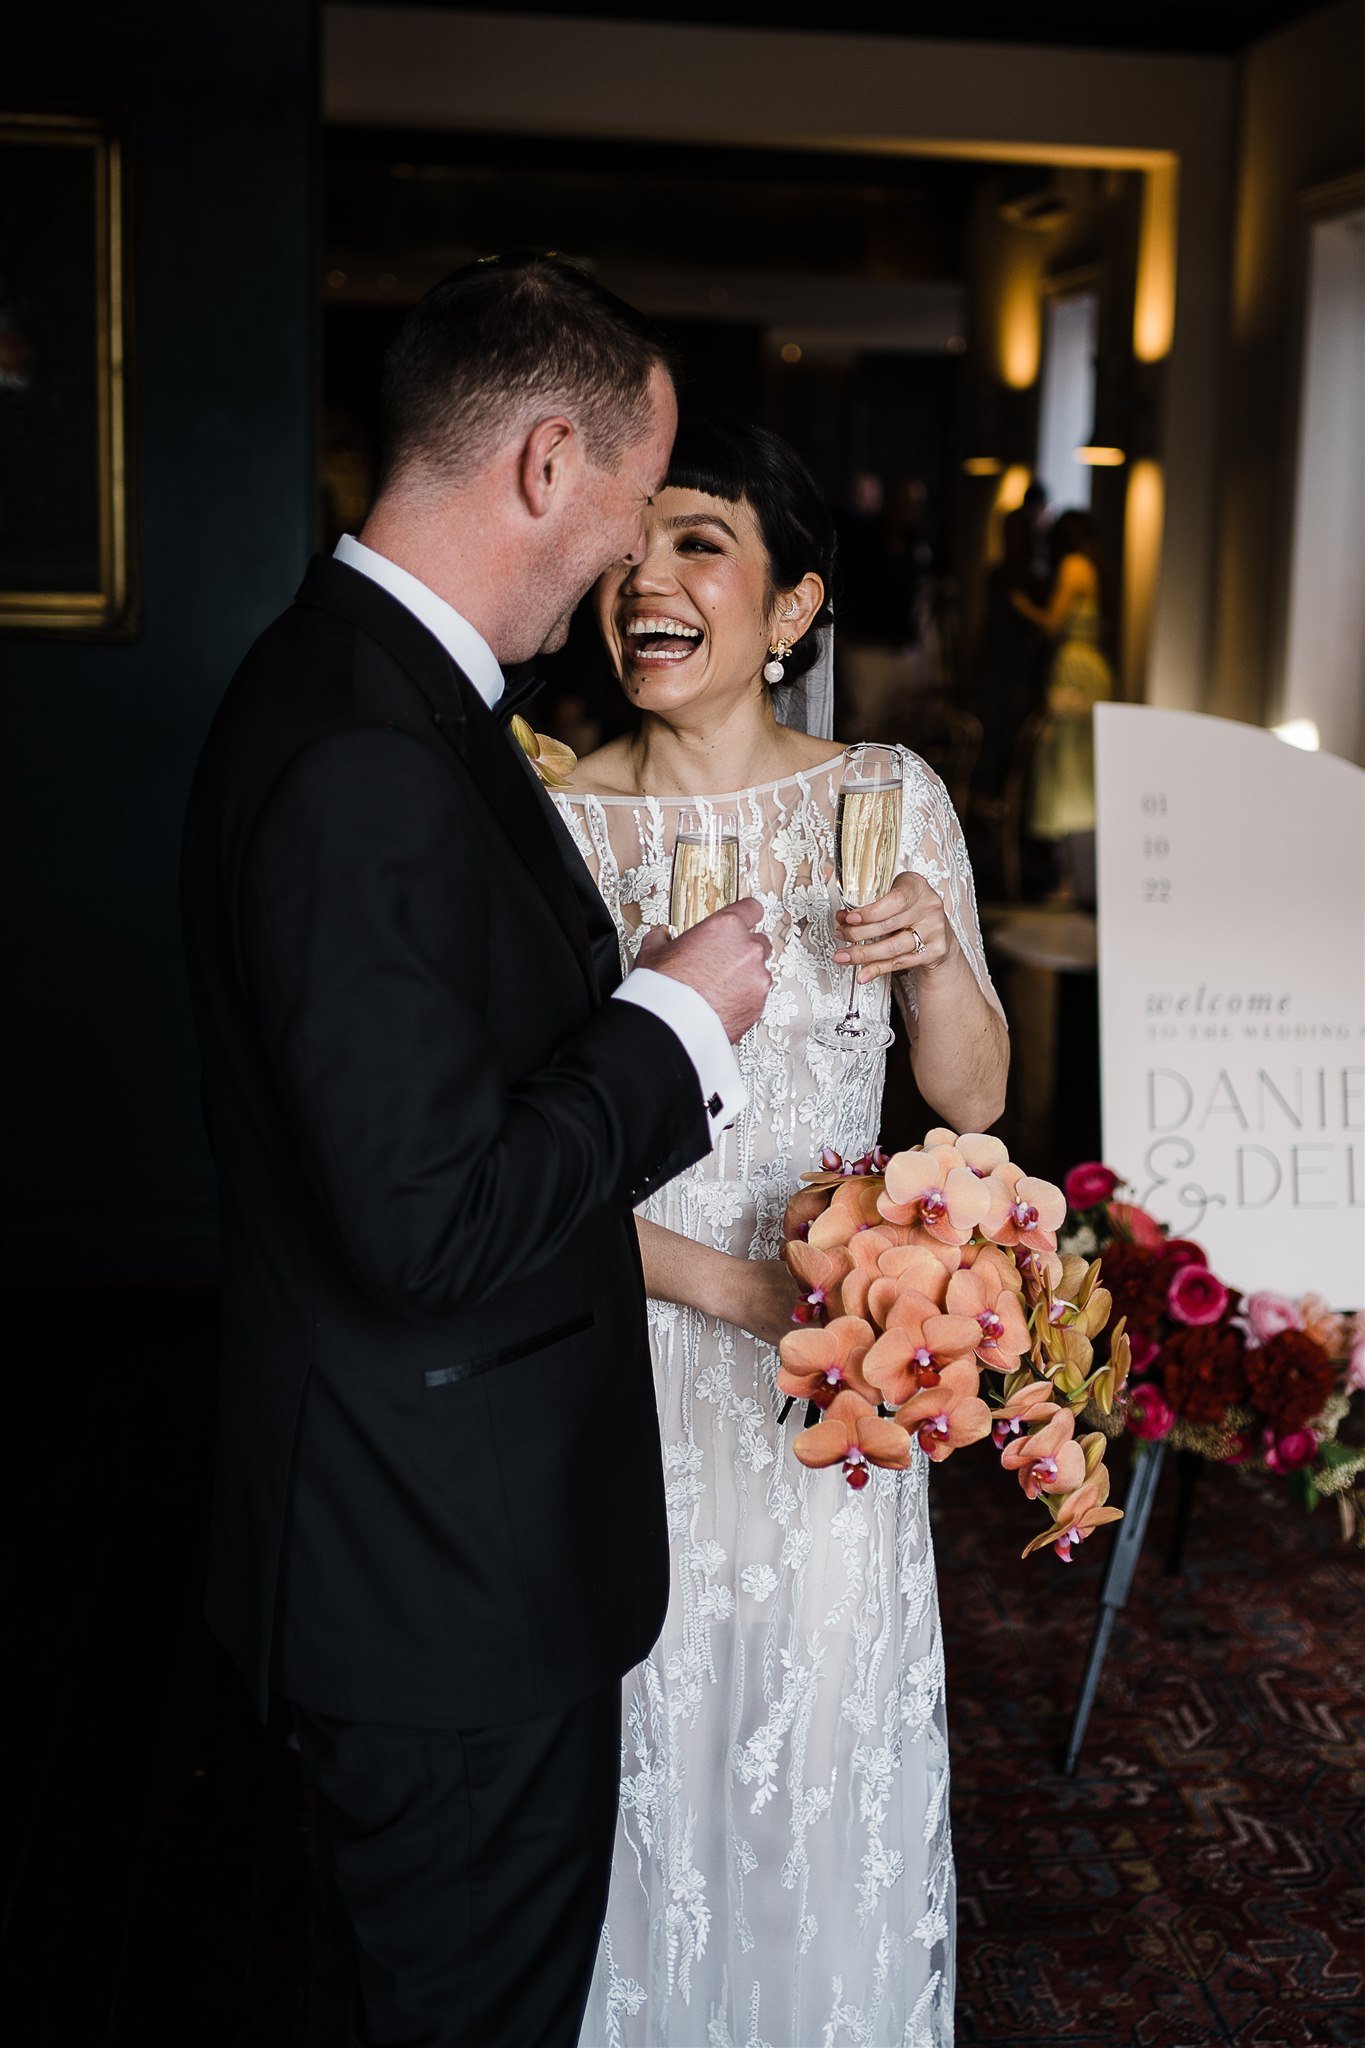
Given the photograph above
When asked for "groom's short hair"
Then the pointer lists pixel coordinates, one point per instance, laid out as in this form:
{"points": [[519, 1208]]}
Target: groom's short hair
{"points": [[503, 343]]}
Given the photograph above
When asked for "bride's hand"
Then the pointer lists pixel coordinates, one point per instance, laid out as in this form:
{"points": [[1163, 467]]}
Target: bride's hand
{"points": [[886, 931], [761, 1295]]}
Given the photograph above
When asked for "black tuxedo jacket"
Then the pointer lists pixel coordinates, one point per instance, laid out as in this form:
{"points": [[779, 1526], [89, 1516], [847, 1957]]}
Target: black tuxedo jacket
{"points": [[438, 1497]]}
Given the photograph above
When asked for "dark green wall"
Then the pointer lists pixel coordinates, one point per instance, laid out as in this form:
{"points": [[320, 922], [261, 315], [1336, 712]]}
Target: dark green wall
{"points": [[105, 1169]]}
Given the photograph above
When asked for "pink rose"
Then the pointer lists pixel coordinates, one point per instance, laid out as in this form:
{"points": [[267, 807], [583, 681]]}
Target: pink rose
{"points": [[1289, 1452], [1268, 1314], [1196, 1296], [1143, 1354], [1150, 1415], [1088, 1185], [1142, 1228], [1182, 1251]]}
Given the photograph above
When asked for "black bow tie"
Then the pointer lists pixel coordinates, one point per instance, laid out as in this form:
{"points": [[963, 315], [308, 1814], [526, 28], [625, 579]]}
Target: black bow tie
{"points": [[521, 685]]}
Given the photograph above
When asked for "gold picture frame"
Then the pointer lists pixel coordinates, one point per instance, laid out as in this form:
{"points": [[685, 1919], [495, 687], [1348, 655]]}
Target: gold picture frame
{"points": [[67, 554]]}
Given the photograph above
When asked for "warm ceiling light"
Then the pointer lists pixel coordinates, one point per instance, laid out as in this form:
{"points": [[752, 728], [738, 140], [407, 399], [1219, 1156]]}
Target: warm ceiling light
{"points": [[1100, 458], [1298, 732], [790, 351], [982, 465]]}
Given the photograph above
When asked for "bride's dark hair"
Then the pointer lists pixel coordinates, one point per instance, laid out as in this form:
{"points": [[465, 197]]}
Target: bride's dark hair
{"points": [[744, 464]]}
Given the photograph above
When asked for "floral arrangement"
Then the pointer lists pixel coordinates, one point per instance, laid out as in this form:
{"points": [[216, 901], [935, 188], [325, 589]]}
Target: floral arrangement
{"points": [[925, 1273], [1250, 1380]]}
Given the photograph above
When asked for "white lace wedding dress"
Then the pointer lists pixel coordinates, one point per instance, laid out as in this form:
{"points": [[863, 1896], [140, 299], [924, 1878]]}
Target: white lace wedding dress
{"points": [[783, 1873]]}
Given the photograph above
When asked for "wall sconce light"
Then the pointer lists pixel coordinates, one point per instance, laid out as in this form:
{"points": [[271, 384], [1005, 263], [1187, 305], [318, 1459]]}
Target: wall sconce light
{"points": [[983, 465], [1098, 455]]}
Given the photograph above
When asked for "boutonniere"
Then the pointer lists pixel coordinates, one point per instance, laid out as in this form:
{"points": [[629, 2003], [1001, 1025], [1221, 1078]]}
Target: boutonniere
{"points": [[553, 762]]}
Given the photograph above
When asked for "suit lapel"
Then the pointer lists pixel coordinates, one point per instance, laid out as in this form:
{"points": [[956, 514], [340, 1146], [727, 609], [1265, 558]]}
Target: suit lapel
{"points": [[514, 793], [464, 722]]}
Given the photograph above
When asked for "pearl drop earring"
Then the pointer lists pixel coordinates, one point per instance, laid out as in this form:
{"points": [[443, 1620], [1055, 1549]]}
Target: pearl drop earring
{"points": [[773, 670]]}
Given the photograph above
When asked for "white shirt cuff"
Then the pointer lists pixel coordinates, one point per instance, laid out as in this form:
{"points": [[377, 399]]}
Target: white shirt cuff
{"points": [[690, 1017]]}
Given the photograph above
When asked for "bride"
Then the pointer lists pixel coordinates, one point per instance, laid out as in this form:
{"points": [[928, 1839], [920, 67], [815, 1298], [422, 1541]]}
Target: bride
{"points": [[782, 1875]]}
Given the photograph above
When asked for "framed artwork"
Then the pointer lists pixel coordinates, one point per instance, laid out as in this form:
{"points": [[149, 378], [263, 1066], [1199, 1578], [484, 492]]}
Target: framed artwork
{"points": [[66, 527]]}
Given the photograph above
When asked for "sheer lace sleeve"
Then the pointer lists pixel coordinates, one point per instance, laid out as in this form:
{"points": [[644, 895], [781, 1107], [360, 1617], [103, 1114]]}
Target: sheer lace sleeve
{"points": [[932, 845]]}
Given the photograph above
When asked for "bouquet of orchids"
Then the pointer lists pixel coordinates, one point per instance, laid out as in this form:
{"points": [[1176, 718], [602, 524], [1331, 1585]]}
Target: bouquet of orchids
{"points": [[921, 1273], [1250, 1380]]}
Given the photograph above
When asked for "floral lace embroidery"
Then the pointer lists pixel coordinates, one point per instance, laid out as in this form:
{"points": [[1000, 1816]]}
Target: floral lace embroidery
{"points": [[783, 1868]]}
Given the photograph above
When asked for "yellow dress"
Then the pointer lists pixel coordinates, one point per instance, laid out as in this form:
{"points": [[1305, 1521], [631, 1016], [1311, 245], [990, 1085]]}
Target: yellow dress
{"points": [[1064, 760]]}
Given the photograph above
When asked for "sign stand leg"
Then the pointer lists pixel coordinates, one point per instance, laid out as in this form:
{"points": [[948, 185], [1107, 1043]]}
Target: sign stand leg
{"points": [[1118, 1577]]}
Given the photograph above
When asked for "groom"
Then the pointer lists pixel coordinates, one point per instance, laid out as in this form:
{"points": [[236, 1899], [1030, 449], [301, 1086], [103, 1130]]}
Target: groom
{"points": [[439, 1523]]}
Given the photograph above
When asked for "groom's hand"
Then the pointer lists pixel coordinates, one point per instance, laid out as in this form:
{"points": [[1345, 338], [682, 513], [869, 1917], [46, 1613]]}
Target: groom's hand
{"points": [[724, 958]]}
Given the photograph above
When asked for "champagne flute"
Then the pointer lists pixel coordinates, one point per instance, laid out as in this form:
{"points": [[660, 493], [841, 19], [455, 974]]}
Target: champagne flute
{"points": [[867, 837], [705, 868]]}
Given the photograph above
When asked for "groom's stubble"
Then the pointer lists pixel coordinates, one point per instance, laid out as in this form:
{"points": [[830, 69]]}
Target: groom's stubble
{"points": [[613, 503]]}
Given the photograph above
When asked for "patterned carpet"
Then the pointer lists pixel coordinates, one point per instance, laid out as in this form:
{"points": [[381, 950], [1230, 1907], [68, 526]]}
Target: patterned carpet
{"points": [[1201, 1879]]}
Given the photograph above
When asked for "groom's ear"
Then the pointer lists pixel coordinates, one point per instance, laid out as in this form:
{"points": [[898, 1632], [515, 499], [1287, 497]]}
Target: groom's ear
{"points": [[548, 454]]}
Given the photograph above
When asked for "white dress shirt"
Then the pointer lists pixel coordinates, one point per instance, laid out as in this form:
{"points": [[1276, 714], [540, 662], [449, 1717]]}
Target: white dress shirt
{"points": [[688, 1014]]}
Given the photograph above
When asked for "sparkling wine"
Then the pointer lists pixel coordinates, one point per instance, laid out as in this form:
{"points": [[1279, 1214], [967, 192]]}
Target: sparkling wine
{"points": [[705, 877], [867, 839]]}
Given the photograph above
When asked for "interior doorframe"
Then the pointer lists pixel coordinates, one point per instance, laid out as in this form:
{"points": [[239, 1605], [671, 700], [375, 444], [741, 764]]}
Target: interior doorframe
{"points": [[1318, 204]]}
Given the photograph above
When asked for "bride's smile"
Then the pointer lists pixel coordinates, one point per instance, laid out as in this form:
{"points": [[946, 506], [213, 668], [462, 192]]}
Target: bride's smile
{"points": [[693, 616]]}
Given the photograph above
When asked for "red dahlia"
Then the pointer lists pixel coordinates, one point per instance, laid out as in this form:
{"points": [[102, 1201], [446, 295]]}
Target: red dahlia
{"points": [[1203, 1372], [1137, 1277], [1289, 1379]]}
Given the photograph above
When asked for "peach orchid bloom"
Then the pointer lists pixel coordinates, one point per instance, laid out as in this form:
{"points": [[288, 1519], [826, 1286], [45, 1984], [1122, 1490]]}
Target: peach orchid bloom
{"points": [[1048, 1459], [919, 1343], [1028, 1404], [1023, 1210], [802, 1210], [819, 1275], [853, 1208], [935, 1194], [945, 1417], [972, 1254], [991, 1163], [1002, 1331], [865, 1250], [984, 1155], [818, 1365], [1041, 1274], [921, 1268], [851, 1434], [1078, 1516]]}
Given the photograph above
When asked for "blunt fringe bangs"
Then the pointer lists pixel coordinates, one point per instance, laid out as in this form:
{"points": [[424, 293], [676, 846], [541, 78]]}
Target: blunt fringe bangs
{"points": [[748, 465]]}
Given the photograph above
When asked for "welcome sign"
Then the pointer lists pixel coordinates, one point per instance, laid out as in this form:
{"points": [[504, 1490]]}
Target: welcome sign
{"points": [[1231, 876]]}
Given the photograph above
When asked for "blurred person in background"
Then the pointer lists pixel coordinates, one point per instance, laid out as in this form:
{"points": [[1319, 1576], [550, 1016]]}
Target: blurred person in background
{"points": [[1062, 809]]}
